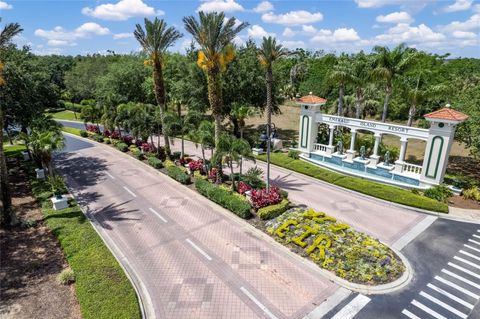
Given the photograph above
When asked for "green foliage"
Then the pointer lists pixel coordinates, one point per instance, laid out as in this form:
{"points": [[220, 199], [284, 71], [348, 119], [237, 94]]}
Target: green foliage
{"points": [[294, 154], [66, 277], [57, 184], [137, 153], [155, 162], [273, 211], [472, 193], [98, 138], [13, 150], [102, 288], [224, 197], [122, 147], [439, 192], [107, 140], [83, 133], [374, 189], [253, 177], [178, 174]]}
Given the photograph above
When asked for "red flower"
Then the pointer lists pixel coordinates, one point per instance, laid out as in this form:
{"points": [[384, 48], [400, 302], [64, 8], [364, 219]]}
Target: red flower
{"points": [[195, 165], [115, 135], [127, 140], [107, 133], [92, 128], [264, 197], [243, 187]]}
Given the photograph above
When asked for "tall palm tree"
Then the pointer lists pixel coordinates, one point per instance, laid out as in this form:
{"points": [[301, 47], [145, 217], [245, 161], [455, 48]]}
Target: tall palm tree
{"points": [[155, 40], [359, 77], [340, 75], [241, 112], [183, 125], [389, 64], [214, 34], [9, 31], [268, 53], [205, 136], [43, 144]]}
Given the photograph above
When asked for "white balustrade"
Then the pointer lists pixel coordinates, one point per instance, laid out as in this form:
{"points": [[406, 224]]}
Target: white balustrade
{"points": [[320, 147], [412, 168]]}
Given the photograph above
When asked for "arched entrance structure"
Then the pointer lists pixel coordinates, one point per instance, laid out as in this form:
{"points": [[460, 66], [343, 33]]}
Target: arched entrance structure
{"points": [[439, 139]]}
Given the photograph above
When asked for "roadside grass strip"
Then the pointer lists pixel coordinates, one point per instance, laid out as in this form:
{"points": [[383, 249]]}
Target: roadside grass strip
{"points": [[66, 115], [71, 130], [456, 291], [103, 289], [374, 189]]}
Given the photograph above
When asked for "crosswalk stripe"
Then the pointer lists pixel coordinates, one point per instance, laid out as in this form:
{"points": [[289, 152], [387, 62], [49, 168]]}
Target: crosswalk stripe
{"points": [[466, 262], [409, 314], [352, 308], [469, 255], [443, 305], [476, 236], [471, 283], [455, 286], [427, 310], [474, 241], [449, 295], [472, 248], [471, 273]]}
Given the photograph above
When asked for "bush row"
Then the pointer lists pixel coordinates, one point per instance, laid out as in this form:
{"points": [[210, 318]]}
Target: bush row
{"points": [[273, 211], [178, 174], [386, 192], [155, 162], [224, 198]]}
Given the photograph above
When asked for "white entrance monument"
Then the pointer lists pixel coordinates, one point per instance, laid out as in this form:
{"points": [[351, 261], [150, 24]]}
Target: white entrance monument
{"points": [[439, 139]]}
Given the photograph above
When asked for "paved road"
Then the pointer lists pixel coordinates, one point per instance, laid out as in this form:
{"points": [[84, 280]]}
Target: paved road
{"points": [[195, 260], [446, 284]]}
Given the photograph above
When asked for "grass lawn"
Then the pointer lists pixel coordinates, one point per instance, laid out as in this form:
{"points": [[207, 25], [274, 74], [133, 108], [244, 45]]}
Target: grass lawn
{"points": [[71, 130], [378, 190], [66, 115], [13, 150], [103, 290]]}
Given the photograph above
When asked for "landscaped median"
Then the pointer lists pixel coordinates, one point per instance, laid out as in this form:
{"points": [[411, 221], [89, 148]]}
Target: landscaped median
{"points": [[385, 192], [103, 290]]}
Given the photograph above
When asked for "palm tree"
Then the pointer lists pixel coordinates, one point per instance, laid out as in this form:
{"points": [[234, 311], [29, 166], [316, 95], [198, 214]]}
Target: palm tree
{"points": [[155, 40], [43, 144], [214, 34], [389, 64], [359, 76], [341, 76], [91, 113], [241, 112], [9, 31], [268, 54], [231, 149], [183, 125], [205, 136]]}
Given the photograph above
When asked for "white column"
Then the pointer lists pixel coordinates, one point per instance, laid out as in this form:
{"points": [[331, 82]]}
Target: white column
{"points": [[352, 141], [332, 133], [403, 149], [377, 144]]}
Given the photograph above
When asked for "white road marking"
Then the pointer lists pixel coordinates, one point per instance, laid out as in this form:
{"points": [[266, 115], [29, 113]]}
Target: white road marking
{"points": [[414, 232], [352, 308], [469, 255], [476, 236], [461, 289], [473, 241], [131, 193], [427, 310], [471, 283], [198, 249], [449, 295], [471, 273], [158, 215], [109, 175], [330, 303], [443, 305], [472, 248], [258, 303], [466, 262], [409, 314]]}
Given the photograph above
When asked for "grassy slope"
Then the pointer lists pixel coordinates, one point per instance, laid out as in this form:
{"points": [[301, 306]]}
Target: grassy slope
{"points": [[386, 192], [66, 115], [13, 150], [103, 289], [71, 130]]}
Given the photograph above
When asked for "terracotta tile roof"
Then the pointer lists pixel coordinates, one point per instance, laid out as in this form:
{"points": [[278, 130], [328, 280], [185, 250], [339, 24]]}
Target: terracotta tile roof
{"points": [[311, 99], [447, 114]]}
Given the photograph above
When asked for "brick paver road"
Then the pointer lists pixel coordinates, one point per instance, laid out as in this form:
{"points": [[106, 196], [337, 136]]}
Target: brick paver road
{"points": [[195, 260]]}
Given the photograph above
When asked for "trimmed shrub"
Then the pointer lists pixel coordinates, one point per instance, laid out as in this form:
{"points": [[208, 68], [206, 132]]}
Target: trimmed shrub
{"points": [[225, 198], [294, 154], [179, 175], [137, 153], [472, 193], [439, 192], [98, 138], [155, 162], [83, 133], [168, 163], [176, 155], [106, 140], [273, 211], [66, 277], [122, 147]]}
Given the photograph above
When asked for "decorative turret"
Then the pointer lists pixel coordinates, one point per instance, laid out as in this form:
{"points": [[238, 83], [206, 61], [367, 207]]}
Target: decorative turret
{"points": [[310, 106]]}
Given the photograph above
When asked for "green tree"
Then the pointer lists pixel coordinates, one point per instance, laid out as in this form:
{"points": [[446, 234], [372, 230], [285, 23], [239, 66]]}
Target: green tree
{"points": [[183, 125], [43, 144], [91, 112], [359, 76], [340, 75], [155, 40], [268, 54], [205, 136]]}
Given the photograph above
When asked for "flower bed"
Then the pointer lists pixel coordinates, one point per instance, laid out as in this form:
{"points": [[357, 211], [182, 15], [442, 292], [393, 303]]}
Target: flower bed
{"points": [[349, 254]]}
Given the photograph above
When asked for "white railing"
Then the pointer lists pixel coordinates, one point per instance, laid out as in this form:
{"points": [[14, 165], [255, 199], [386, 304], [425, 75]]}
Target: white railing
{"points": [[320, 147], [412, 168]]}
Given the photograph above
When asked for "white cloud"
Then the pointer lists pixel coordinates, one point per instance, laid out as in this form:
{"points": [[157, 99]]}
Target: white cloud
{"points": [[476, 8], [395, 17], [122, 10], [408, 5], [257, 32], [292, 17], [5, 6], [220, 5], [125, 35], [292, 45], [339, 35], [404, 32], [464, 35], [237, 22], [473, 23], [288, 32], [376, 3], [308, 29], [458, 5], [263, 6], [60, 36]]}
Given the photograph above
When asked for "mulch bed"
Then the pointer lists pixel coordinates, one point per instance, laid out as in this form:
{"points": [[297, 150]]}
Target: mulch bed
{"points": [[31, 260], [460, 202]]}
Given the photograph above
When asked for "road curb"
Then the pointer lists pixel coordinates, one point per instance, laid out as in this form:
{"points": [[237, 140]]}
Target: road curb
{"points": [[365, 289]]}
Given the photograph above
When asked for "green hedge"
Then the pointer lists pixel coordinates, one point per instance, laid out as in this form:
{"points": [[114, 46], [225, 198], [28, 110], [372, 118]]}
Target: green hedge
{"points": [[98, 138], [102, 288], [386, 192], [273, 211], [224, 198], [155, 162], [179, 175], [122, 147], [83, 133]]}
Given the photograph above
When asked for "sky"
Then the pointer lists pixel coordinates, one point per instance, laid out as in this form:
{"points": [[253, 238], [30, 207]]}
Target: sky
{"points": [[84, 27]]}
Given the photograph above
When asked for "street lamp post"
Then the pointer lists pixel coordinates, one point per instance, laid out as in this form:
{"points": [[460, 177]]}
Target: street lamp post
{"points": [[268, 138]]}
